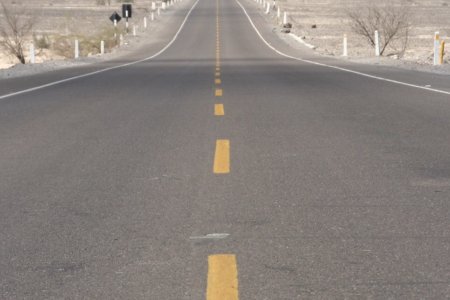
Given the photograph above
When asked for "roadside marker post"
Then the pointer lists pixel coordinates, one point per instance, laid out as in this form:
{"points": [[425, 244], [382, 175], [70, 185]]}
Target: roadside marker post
{"points": [[134, 30], [32, 54], [436, 48], [102, 47], [152, 17], [441, 53], [159, 11], [268, 8], [145, 22], [77, 50], [153, 5], [285, 18], [344, 46], [377, 43]]}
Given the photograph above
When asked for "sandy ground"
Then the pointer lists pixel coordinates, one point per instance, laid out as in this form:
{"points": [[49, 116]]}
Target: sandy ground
{"points": [[323, 23], [67, 18]]}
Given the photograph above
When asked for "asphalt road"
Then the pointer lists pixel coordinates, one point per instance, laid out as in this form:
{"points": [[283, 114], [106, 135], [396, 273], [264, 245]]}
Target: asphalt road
{"points": [[222, 170]]}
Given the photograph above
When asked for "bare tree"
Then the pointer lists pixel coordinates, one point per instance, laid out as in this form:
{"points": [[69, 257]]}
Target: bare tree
{"points": [[391, 22], [14, 30]]}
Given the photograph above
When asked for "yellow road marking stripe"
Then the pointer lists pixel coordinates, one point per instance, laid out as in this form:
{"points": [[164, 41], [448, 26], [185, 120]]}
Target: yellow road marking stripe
{"points": [[217, 81], [222, 278], [219, 93], [217, 74], [222, 157], [219, 110]]}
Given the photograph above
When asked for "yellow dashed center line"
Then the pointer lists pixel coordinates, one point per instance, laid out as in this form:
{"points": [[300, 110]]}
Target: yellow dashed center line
{"points": [[222, 157], [219, 110], [217, 81], [219, 92], [222, 278]]}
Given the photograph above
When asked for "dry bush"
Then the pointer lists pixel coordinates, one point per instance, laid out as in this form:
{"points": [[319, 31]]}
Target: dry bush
{"points": [[16, 28], [391, 22]]}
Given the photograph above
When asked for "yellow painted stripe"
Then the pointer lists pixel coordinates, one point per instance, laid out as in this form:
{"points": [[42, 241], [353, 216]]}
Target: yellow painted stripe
{"points": [[219, 92], [217, 81], [217, 74], [222, 278], [222, 157], [219, 110]]}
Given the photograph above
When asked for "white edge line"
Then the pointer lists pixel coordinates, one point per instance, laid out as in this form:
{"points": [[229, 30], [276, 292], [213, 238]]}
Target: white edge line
{"points": [[335, 67], [107, 69]]}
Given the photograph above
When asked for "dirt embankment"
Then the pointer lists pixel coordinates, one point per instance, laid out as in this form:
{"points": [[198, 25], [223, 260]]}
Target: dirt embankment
{"points": [[323, 24], [59, 22]]}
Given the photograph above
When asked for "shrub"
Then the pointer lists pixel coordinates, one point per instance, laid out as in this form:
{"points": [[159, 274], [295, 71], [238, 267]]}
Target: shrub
{"points": [[391, 22]]}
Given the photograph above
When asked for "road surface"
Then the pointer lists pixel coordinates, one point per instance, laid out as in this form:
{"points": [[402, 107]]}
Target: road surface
{"points": [[220, 169]]}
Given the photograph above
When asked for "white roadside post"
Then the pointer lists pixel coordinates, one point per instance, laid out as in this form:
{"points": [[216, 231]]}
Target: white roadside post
{"points": [[32, 54], [285, 18], [77, 49], [278, 13], [436, 49], [134, 30], [145, 22], [344, 47], [152, 17], [102, 47], [126, 22], [163, 6], [377, 43], [268, 8], [153, 5], [121, 39], [159, 11]]}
